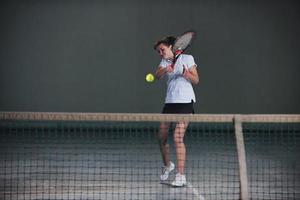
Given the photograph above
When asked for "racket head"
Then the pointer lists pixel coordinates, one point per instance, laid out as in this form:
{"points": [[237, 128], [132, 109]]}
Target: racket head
{"points": [[183, 41]]}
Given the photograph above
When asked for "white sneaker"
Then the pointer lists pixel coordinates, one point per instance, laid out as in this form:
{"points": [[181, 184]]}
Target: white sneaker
{"points": [[166, 170], [179, 181]]}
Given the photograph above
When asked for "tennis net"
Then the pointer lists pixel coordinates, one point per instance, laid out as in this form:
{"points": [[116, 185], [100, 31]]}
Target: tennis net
{"points": [[117, 156]]}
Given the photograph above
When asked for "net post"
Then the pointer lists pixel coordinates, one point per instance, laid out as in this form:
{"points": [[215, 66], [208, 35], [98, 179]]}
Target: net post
{"points": [[237, 120]]}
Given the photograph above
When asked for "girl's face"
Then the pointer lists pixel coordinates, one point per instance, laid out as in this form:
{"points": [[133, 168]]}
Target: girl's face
{"points": [[165, 51]]}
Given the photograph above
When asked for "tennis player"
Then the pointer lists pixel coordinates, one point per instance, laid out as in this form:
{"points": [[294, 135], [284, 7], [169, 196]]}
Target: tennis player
{"points": [[179, 99]]}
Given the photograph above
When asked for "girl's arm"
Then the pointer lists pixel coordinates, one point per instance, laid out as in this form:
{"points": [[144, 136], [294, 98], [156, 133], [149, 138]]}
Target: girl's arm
{"points": [[191, 74], [161, 71]]}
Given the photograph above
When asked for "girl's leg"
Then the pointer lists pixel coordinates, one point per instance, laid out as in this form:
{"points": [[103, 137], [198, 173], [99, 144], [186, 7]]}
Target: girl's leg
{"points": [[179, 145], [163, 142]]}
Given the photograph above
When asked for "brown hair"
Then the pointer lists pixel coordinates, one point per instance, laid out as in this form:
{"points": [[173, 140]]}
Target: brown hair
{"points": [[169, 40]]}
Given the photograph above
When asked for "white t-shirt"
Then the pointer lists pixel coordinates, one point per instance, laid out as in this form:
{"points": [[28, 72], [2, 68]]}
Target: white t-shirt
{"points": [[179, 89]]}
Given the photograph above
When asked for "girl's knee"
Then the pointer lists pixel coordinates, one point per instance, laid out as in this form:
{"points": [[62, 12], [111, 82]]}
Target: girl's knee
{"points": [[178, 139], [163, 131]]}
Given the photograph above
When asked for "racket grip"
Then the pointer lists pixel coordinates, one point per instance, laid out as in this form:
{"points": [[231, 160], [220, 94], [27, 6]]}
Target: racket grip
{"points": [[184, 68], [178, 52]]}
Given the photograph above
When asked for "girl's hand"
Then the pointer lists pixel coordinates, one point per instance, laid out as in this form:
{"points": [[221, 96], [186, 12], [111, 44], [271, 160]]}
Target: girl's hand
{"points": [[170, 68], [161, 71]]}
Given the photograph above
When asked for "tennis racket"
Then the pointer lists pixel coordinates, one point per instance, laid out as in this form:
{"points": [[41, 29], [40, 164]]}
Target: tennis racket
{"points": [[181, 43]]}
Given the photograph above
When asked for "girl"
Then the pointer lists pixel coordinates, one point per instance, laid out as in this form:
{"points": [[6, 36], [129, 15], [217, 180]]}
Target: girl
{"points": [[179, 99]]}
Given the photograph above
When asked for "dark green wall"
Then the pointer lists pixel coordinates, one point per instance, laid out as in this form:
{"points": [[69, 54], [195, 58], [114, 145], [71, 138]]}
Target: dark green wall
{"points": [[92, 56]]}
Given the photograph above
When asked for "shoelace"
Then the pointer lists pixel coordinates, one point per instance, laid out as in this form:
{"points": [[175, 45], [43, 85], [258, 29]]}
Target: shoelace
{"points": [[164, 169], [178, 176]]}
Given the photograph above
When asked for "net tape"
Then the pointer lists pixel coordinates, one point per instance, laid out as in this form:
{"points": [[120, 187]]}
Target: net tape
{"points": [[53, 116]]}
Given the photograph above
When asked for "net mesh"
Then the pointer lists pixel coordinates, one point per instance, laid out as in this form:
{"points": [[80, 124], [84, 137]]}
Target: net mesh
{"points": [[117, 156], [273, 152]]}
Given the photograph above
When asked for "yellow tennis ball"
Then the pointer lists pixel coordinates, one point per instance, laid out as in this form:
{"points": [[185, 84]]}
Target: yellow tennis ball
{"points": [[149, 77]]}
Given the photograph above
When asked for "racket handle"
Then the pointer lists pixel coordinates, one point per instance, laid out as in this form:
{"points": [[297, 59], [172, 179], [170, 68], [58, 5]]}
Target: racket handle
{"points": [[178, 52]]}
